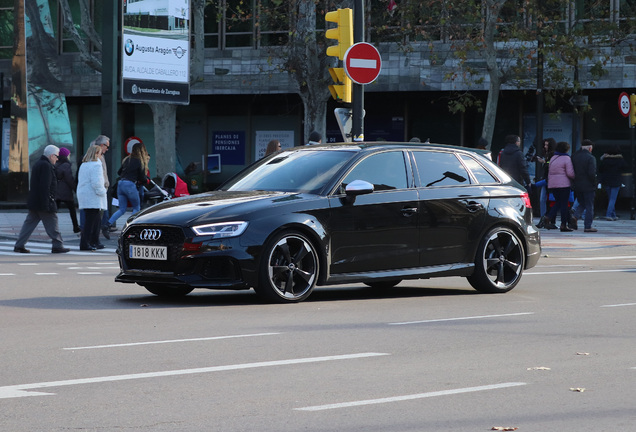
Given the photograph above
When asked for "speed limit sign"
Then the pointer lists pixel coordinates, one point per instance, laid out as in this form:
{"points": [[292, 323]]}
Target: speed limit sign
{"points": [[624, 104]]}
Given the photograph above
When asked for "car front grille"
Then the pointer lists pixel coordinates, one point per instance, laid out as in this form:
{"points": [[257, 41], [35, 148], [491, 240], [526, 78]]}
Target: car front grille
{"points": [[172, 237]]}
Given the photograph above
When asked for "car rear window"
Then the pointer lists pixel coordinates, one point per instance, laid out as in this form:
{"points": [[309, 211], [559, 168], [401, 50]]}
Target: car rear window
{"points": [[437, 169], [480, 173]]}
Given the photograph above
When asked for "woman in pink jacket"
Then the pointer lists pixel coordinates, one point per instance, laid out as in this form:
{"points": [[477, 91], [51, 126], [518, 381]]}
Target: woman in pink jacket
{"points": [[560, 176]]}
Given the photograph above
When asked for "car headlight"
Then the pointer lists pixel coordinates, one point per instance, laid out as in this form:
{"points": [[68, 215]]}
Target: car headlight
{"points": [[221, 230]]}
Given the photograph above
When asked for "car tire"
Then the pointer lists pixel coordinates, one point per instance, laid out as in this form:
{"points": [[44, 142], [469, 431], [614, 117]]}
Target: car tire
{"points": [[168, 291], [499, 262], [384, 285], [288, 268]]}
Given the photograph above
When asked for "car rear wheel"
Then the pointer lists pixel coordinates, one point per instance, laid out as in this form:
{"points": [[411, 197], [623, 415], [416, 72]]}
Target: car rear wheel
{"points": [[168, 290], [499, 262], [289, 268]]}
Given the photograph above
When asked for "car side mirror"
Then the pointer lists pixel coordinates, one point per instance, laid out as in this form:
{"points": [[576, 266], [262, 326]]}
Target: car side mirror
{"points": [[358, 187]]}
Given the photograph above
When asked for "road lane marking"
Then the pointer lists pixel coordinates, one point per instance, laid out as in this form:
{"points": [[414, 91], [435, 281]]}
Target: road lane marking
{"points": [[626, 270], [600, 258], [7, 274], [23, 390], [170, 341], [410, 397], [461, 318], [46, 274], [89, 273], [619, 305]]}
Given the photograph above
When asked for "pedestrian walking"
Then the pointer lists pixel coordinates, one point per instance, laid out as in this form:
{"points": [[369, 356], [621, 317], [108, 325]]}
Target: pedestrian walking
{"points": [[41, 203], [560, 178], [91, 197], [512, 160], [131, 174], [611, 171], [66, 186], [104, 144], [543, 168], [585, 184]]}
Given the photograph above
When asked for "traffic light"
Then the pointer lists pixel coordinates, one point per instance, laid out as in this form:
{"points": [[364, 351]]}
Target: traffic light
{"points": [[342, 89], [343, 33], [632, 111]]}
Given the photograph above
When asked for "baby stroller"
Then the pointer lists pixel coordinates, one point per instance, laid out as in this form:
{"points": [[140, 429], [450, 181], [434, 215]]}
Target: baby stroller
{"points": [[154, 195], [174, 185]]}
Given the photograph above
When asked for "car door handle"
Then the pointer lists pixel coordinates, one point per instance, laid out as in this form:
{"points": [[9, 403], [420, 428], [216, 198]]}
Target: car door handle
{"points": [[409, 211], [474, 206]]}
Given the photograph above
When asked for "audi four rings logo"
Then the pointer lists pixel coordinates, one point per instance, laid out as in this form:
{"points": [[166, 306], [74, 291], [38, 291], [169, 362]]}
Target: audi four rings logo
{"points": [[150, 234]]}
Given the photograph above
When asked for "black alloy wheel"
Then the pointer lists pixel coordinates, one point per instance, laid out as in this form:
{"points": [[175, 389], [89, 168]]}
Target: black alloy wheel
{"points": [[289, 268], [499, 262]]}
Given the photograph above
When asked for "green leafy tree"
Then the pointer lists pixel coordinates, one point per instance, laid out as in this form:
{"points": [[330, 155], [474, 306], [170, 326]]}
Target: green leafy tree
{"points": [[504, 40]]}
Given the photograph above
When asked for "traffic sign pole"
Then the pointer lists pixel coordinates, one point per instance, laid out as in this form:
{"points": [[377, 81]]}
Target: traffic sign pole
{"points": [[357, 128]]}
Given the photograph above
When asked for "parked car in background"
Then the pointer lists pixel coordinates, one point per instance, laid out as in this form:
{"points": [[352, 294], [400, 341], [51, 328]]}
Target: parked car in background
{"points": [[372, 213]]}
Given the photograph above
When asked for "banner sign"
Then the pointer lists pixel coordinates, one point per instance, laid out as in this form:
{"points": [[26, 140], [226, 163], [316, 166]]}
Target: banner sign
{"points": [[155, 57], [230, 145]]}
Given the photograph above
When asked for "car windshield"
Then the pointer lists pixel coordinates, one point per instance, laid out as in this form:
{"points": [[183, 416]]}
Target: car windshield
{"points": [[304, 171]]}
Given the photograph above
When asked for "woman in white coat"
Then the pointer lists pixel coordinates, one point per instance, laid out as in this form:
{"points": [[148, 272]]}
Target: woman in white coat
{"points": [[91, 197]]}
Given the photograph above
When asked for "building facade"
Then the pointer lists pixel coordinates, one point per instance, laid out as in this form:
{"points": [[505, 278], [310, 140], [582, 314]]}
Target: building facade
{"points": [[246, 98]]}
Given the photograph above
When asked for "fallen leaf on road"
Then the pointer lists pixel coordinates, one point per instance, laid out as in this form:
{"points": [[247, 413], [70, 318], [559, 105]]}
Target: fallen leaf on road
{"points": [[577, 389]]}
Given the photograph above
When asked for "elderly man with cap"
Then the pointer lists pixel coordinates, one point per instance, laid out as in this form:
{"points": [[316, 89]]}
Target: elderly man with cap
{"points": [[41, 203]]}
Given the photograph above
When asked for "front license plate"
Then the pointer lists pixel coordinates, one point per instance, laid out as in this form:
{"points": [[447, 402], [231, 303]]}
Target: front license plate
{"points": [[148, 252]]}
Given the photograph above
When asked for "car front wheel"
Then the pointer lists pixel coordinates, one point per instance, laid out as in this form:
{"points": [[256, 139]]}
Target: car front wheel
{"points": [[499, 262], [289, 268]]}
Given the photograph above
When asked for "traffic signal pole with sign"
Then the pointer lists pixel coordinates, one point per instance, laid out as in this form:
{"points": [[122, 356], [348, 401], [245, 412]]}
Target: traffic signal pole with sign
{"points": [[632, 135], [357, 128], [349, 31]]}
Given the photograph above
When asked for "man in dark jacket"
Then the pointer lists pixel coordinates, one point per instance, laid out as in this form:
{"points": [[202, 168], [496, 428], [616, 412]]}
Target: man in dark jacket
{"points": [[512, 161], [585, 183], [41, 203]]}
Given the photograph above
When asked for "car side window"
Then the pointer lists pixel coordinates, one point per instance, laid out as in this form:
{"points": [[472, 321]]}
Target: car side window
{"points": [[440, 169], [480, 173], [385, 171]]}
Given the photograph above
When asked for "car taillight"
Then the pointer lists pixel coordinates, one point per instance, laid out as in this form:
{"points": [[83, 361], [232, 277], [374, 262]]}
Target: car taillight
{"points": [[526, 200]]}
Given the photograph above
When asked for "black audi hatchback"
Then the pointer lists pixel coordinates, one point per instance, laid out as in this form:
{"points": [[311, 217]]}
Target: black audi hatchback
{"points": [[372, 213]]}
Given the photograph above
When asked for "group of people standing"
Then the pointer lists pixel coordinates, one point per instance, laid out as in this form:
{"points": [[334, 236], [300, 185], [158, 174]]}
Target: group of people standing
{"points": [[562, 174], [52, 183]]}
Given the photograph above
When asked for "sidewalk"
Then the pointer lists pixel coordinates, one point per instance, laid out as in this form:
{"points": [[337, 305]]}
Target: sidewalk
{"points": [[611, 234], [613, 238], [11, 221]]}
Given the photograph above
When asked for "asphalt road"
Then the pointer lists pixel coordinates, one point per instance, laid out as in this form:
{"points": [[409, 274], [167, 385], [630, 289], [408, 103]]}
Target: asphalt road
{"points": [[80, 352]]}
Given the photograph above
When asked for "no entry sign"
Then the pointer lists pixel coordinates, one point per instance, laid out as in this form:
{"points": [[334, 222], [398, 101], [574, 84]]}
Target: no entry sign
{"points": [[362, 63]]}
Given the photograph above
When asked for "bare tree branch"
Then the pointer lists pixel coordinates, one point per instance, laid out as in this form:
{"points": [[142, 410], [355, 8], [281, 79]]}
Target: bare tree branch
{"points": [[84, 50]]}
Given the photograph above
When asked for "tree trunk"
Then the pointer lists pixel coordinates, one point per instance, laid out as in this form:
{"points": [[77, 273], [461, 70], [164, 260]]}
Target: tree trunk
{"points": [[309, 67], [492, 11], [164, 118], [197, 52]]}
